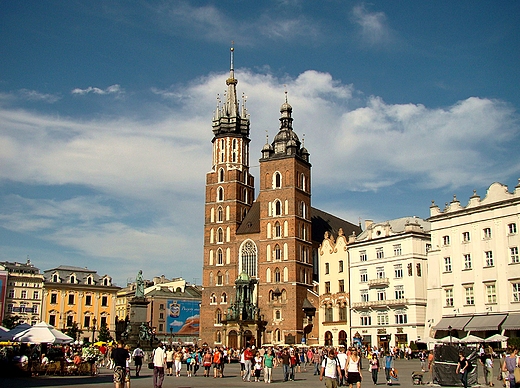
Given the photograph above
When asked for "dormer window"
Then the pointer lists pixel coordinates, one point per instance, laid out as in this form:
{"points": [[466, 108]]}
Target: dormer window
{"points": [[55, 278], [89, 280], [72, 279], [106, 282]]}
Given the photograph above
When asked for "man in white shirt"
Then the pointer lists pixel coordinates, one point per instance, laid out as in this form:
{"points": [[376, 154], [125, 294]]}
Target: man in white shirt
{"points": [[138, 355], [330, 369], [342, 357], [159, 362]]}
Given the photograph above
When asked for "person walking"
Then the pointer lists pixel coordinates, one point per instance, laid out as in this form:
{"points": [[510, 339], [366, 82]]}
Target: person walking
{"points": [[388, 367], [489, 368], [316, 359], [248, 359], [269, 361], [342, 357], [119, 356], [138, 356], [159, 363], [463, 369], [285, 360], [330, 369], [509, 365], [353, 369], [374, 367]]}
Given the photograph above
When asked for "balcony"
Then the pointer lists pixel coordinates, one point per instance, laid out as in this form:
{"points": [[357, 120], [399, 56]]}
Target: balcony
{"points": [[380, 282], [380, 303]]}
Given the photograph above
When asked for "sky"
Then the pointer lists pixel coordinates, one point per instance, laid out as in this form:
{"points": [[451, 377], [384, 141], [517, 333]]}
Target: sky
{"points": [[106, 110]]}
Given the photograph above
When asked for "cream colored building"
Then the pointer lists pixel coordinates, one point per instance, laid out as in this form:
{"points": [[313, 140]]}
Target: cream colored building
{"points": [[474, 265], [24, 291], [334, 305], [388, 275]]}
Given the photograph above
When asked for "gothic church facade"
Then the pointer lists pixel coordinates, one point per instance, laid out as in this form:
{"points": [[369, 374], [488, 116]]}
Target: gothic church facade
{"points": [[273, 239]]}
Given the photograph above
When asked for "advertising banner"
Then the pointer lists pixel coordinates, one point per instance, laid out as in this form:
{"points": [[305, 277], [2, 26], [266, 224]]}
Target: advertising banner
{"points": [[183, 317]]}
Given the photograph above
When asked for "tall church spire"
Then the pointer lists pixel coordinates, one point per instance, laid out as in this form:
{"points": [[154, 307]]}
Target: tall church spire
{"points": [[231, 108], [228, 118]]}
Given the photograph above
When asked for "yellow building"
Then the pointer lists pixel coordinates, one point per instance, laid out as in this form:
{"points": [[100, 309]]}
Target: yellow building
{"points": [[74, 295]]}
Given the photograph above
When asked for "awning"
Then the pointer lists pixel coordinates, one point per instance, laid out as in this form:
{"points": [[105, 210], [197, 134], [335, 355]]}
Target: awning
{"points": [[512, 322], [485, 322], [456, 323]]}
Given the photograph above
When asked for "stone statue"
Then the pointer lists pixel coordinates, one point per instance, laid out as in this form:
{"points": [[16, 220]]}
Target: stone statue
{"points": [[139, 285]]}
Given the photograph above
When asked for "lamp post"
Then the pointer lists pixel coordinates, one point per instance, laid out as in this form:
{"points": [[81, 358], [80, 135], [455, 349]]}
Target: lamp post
{"points": [[449, 328], [94, 321], [171, 334]]}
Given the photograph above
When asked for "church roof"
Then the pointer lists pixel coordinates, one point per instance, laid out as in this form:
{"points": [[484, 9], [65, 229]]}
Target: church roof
{"points": [[325, 222], [251, 223], [321, 222]]}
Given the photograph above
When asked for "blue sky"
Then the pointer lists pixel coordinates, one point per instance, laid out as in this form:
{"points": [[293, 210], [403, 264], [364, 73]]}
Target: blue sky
{"points": [[106, 108]]}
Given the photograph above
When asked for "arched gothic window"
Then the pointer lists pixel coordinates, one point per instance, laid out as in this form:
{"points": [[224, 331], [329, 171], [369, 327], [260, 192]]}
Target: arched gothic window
{"points": [[220, 214], [277, 180], [248, 258], [277, 252], [218, 316], [220, 235], [277, 230], [277, 276], [277, 208], [220, 257], [213, 298], [223, 298], [220, 196], [221, 175]]}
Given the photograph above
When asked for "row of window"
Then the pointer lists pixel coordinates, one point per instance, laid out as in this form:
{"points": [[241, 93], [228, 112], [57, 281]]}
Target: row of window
{"points": [[23, 294], [383, 319], [486, 234], [490, 295], [72, 299], [221, 151], [380, 254], [23, 308], [488, 260], [87, 320], [381, 294]]}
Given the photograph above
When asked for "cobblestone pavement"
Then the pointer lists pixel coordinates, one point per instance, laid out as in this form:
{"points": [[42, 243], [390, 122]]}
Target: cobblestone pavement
{"points": [[231, 379]]}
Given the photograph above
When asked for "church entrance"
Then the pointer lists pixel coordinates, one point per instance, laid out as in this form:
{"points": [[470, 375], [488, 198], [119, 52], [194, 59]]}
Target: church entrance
{"points": [[232, 339]]}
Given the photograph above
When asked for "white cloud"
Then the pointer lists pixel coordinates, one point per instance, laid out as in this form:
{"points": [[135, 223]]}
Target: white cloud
{"points": [[374, 29], [33, 95], [113, 89]]}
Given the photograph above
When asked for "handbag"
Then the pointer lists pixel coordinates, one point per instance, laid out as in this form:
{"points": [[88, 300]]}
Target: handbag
{"points": [[150, 365], [517, 374]]}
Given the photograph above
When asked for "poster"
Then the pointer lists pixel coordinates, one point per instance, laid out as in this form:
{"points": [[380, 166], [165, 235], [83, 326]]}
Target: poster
{"points": [[183, 317]]}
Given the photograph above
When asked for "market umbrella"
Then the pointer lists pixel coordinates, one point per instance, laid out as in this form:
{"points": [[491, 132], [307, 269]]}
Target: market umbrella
{"points": [[472, 339], [8, 336], [447, 340], [497, 338], [43, 333], [427, 340]]}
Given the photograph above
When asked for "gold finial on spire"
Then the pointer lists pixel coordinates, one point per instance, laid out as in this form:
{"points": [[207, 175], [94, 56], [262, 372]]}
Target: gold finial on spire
{"points": [[285, 88]]}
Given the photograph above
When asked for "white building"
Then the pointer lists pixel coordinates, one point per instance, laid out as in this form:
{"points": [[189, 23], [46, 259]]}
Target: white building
{"points": [[474, 266], [388, 274]]}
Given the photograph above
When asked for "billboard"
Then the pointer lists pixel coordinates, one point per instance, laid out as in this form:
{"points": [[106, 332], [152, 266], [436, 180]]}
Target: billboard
{"points": [[183, 317]]}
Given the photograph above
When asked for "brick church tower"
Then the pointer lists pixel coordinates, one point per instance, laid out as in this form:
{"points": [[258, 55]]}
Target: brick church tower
{"points": [[229, 195]]}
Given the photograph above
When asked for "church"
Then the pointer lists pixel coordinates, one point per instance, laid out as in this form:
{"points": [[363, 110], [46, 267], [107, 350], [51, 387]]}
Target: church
{"points": [[260, 263]]}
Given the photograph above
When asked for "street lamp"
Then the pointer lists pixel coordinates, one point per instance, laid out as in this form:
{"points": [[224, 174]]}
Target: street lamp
{"points": [[171, 334], [94, 321], [449, 328]]}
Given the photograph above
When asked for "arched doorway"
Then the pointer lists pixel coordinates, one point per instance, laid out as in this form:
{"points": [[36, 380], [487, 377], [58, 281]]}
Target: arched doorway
{"points": [[249, 338], [328, 338], [232, 339], [342, 338]]}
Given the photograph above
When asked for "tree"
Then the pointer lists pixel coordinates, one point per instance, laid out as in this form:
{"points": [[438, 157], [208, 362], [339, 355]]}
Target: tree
{"points": [[11, 321], [73, 331], [104, 333]]}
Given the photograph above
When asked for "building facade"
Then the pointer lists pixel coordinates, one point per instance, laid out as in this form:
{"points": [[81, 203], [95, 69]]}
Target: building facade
{"points": [[75, 296], [270, 239], [474, 266], [24, 292], [388, 279]]}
